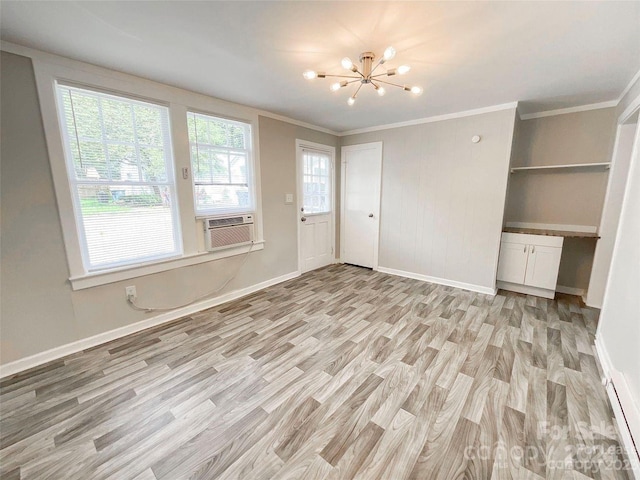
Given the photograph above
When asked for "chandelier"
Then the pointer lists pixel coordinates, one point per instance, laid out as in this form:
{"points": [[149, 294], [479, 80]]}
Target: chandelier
{"points": [[365, 74]]}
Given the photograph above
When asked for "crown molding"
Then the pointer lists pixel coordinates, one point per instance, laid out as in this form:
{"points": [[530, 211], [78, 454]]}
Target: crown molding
{"points": [[562, 111], [299, 123], [436, 118], [635, 78]]}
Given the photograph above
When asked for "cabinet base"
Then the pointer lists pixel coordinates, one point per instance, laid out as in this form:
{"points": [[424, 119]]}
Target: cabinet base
{"points": [[516, 287]]}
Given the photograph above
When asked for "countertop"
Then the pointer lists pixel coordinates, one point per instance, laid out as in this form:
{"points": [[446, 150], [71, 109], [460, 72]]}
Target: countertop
{"points": [[551, 233]]}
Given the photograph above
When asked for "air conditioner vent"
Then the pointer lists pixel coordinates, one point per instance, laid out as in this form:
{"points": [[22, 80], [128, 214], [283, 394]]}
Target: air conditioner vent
{"points": [[222, 222], [228, 232]]}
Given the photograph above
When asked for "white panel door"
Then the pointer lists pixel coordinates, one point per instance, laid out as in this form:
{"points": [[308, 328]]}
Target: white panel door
{"points": [[315, 205], [543, 266], [360, 225], [315, 242], [512, 263]]}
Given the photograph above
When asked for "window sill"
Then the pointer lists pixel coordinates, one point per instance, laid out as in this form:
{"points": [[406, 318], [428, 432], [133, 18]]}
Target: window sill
{"points": [[115, 275]]}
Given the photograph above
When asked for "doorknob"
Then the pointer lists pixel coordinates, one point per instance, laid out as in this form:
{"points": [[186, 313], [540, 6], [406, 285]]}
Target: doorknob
{"points": [[303, 219], [371, 215]]}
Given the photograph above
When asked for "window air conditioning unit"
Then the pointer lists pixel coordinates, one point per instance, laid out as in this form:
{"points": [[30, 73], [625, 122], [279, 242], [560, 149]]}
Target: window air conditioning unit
{"points": [[225, 232]]}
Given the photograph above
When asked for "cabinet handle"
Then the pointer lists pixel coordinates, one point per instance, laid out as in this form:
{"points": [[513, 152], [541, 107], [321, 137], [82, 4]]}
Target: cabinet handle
{"points": [[525, 249], [533, 249]]}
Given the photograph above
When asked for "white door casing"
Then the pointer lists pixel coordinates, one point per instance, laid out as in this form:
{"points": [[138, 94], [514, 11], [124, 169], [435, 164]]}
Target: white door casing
{"points": [[315, 171], [360, 206]]}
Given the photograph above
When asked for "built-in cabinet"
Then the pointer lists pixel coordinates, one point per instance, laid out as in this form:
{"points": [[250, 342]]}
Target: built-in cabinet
{"points": [[529, 263]]}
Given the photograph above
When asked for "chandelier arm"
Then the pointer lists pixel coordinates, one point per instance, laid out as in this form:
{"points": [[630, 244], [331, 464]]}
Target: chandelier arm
{"points": [[357, 90], [344, 76], [389, 83], [380, 62], [380, 75]]}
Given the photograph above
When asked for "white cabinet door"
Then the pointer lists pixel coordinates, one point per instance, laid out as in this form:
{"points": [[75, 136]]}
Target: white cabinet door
{"points": [[542, 267], [512, 263]]}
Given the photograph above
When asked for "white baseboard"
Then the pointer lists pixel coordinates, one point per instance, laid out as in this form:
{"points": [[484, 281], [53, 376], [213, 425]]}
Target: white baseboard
{"points": [[526, 289], [440, 281], [603, 357], [578, 292], [26, 363], [585, 299], [625, 416]]}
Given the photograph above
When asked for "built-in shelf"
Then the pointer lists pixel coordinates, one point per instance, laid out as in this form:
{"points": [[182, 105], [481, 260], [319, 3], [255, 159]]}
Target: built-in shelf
{"points": [[577, 166], [552, 233]]}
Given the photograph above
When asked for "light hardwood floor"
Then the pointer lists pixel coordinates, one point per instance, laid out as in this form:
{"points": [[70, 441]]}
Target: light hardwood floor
{"points": [[341, 373]]}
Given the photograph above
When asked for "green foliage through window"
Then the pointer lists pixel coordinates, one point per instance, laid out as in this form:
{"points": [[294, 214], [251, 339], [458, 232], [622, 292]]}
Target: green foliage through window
{"points": [[220, 161]]}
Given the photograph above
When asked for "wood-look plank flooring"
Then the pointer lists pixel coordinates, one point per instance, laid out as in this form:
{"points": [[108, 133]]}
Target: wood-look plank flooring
{"points": [[342, 373]]}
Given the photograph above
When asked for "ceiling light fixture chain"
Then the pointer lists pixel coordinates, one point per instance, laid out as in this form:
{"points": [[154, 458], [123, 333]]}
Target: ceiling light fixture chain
{"points": [[365, 74]]}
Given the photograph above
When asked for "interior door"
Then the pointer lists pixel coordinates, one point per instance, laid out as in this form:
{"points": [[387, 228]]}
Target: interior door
{"points": [[512, 263], [360, 221], [542, 266], [315, 206]]}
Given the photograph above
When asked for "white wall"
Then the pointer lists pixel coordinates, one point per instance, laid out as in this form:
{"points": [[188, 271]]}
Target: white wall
{"points": [[611, 214], [619, 327], [443, 197]]}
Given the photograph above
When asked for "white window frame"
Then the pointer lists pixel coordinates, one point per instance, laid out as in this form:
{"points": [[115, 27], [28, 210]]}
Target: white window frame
{"points": [[73, 184], [302, 148], [50, 69], [251, 180]]}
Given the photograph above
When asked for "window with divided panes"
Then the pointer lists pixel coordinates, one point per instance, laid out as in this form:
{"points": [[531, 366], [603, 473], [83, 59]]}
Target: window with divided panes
{"points": [[120, 170], [221, 164]]}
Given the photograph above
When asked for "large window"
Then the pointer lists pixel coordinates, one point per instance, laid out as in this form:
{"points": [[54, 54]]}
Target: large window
{"points": [[120, 170], [316, 182], [221, 164]]}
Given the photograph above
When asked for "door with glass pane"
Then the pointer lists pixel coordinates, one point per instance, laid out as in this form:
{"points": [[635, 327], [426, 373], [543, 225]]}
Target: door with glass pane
{"points": [[315, 205]]}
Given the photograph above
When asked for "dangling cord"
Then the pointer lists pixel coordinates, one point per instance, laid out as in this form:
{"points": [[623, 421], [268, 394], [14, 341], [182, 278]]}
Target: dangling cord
{"points": [[195, 128], [135, 306], [75, 126]]}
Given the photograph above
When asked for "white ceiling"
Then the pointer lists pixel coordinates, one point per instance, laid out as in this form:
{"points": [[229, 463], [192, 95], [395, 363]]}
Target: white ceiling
{"points": [[466, 55]]}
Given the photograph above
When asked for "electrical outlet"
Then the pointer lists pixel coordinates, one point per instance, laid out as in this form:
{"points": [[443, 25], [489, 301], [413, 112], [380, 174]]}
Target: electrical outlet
{"points": [[131, 292]]}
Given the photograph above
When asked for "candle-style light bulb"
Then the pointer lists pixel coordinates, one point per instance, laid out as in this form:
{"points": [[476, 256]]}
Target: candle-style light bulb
{"points": [[309, 74]]}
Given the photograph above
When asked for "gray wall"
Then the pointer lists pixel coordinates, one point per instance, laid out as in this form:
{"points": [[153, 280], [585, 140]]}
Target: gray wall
{"points": [[277, 144], [36, 310], [443, 196], [39, 310], [563, 197]]}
